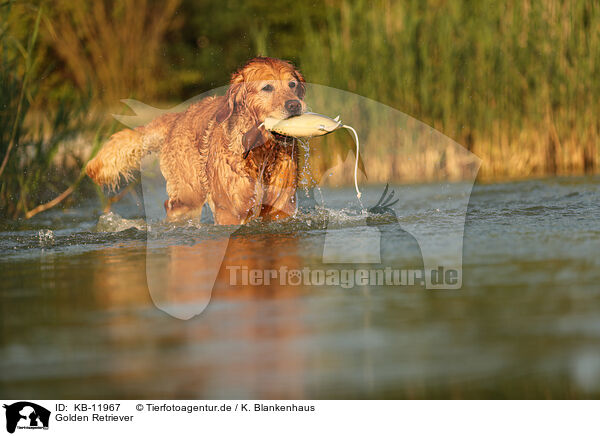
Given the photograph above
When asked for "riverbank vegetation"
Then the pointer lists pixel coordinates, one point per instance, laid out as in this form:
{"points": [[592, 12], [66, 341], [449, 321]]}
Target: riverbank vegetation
{"points": [[514, 82]]}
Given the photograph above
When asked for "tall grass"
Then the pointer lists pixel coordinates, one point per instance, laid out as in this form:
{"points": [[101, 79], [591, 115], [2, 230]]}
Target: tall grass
{"points": [[516, 82], [37, 166], [114, 46]]}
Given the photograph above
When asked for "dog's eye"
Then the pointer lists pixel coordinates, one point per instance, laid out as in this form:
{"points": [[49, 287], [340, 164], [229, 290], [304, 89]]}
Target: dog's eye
{"points": [[292, 85], [268, 88]]}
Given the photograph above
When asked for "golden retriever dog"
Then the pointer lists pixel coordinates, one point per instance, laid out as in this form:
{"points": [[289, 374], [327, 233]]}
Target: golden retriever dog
{"points": [[218, 152]]}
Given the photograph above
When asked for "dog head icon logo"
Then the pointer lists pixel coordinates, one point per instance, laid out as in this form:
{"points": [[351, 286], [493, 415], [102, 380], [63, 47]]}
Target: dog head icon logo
{"points": [[26, 415]]}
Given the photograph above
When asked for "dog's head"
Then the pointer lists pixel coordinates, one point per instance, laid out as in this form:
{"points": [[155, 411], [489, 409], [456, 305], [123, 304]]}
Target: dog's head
{"points": [[264, 87]]}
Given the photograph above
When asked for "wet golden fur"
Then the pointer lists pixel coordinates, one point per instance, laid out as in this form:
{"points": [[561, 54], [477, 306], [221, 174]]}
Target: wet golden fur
{"points": [[215, 151]]}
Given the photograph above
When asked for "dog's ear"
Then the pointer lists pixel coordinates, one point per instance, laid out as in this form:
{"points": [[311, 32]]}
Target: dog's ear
{"points": [[233, 97], [301, 84], [228, 106], [252, 139]]}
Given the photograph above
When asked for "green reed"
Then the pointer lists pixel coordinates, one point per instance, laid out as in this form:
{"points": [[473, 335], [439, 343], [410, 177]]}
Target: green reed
{"points": [[514, 81], [37, 161]]}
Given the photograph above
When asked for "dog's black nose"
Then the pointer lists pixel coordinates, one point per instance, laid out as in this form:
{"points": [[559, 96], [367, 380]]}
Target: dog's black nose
{"points": [[294, 107]]}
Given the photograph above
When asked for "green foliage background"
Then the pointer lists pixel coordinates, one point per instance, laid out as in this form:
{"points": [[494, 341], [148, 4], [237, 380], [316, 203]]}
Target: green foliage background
{"points": [[514, 81]]}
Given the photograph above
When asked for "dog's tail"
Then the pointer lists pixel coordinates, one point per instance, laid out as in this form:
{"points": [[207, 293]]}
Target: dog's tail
{"points": [[120, 157]]}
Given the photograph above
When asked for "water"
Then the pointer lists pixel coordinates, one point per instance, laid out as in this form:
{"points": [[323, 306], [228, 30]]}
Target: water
{"points": [[78, 320]]}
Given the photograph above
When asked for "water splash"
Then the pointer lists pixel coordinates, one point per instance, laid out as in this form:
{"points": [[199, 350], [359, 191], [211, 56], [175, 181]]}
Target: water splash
{"points": [[112, 222], [306, 178], [46, 238]]}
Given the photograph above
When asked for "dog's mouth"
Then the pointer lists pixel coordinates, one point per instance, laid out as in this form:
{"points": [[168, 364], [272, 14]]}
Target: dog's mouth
{"points": [[278, 136], [281, 138]]}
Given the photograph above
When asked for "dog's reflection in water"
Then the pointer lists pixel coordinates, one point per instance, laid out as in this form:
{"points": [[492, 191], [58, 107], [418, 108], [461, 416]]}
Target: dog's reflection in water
{"points": [[254, 263], [185, 278]]}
